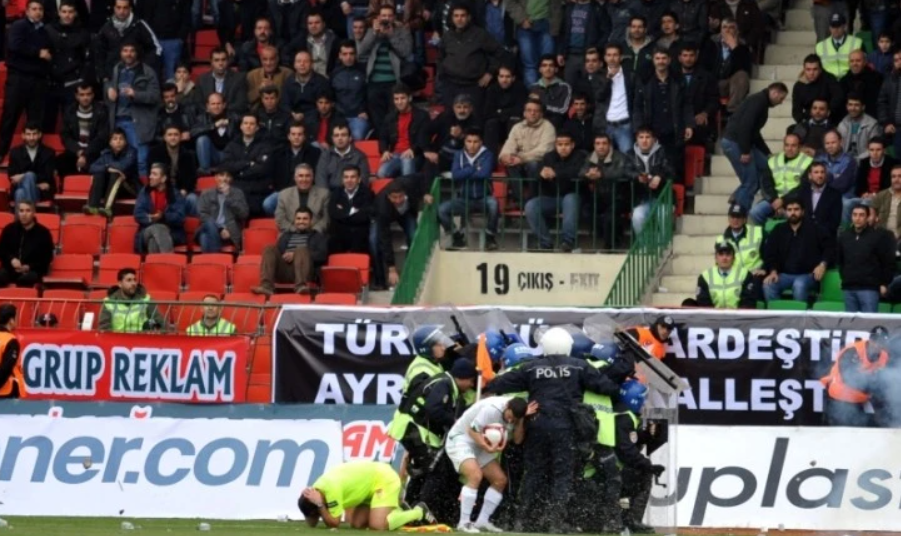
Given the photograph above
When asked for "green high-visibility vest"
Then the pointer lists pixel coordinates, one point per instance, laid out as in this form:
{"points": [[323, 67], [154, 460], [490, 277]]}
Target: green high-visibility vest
{"points": [[127, 316], [603, 409], [419, 366], [725, 291], [787, 175], [747, 251], [415, 416], [222, 327], [835, 61]]}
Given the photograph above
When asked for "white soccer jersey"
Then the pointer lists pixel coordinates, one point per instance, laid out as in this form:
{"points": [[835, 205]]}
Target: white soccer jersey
{"points": [[484, 412]]}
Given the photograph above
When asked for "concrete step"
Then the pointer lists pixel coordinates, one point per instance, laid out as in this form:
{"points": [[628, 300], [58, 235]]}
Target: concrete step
{"points": [[801, 4], [799, 20], [775, 127], [712, 203], [668, 299], [695, 245], [717, 186], [787, 54], [720, 167], [688, 265], [695, 224], [779, 72], [679, 283], [797, 38]]}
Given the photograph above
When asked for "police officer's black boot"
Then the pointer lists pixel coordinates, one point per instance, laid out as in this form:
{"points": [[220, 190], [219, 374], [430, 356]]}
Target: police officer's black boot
{"points": [[638, 503]]}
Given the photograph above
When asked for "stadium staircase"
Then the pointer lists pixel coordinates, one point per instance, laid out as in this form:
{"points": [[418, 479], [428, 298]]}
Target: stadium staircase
{"points": [[696, 232]]}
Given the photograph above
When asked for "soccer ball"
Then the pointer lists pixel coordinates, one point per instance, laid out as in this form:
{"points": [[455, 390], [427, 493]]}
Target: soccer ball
{"points": [[494, 434]]}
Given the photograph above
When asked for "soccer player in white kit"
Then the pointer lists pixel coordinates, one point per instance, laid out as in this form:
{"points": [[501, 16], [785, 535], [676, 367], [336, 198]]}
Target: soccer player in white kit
{"points": [[474, 457]]}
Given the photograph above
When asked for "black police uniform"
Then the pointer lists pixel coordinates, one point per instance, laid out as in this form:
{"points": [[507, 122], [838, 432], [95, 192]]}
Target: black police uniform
{"points": [[637, 471], [557, 384]]}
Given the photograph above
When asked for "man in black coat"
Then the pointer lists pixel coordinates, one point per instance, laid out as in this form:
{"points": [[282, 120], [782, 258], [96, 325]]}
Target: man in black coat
{"points": [[248, 159], [70, 47], [861, 79], [815, 83], [557, 192], [181, 163], [286, 158], [28, 64], [230, 84], [402, 150], [124, 27], [865, 258], [32, 167], [350, 213], [85, 132], [700, 91], [400, 202], [170, 21], [174, 113], [468, 58], [874, 173], [504, 102], [248, 56], [827, 212], [26, 249]]}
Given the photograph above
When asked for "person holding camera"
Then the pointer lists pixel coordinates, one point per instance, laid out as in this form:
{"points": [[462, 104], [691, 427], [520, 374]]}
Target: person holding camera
{"points": [[127, 307], [386, 45]]}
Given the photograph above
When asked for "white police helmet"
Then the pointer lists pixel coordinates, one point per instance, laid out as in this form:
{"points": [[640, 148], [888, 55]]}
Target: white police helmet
{"points": [[557, 341]]}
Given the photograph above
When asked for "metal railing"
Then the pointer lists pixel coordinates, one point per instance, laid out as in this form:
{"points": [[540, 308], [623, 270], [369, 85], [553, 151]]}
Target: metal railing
{"points": [[420, 252], [647, 251]]}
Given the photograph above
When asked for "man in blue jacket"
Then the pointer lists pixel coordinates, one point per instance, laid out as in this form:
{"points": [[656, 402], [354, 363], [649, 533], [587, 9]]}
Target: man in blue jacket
{"points": [[116, 167], [471, 171], [160, 213]]}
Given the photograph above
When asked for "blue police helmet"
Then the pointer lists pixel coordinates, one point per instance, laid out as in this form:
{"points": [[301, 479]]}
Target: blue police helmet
{"points": [[633, 394], [495, 344], [514, 338], [515, 354], [581, 345], [428, 335], [606, 351]]}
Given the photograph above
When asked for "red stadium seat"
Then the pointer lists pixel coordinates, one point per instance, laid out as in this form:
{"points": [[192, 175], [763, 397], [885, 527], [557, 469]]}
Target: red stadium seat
{"points": [[183, 314], [259, 394], [70, 270], [204, 277], [271, 313], [340, 279], [5, 219], [359, 261], [75, 192], [213, 258], [162, 274], [171, 258], [87, 219], [262, 223], [262, 356], [330, 298], [81, 238], [378, 185], [255, 240], [121, 235], [205, 183], [246, 273], [245, 319], [52, 223], [191, 226], [23, 299], [110, 264], [66, 305]]}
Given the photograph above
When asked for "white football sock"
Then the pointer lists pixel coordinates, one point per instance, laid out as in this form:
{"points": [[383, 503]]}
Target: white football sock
{"points": [[490, 503], [468, 498]]}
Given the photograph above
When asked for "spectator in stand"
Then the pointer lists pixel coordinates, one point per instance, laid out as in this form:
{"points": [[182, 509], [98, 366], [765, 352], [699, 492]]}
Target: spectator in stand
{"points": [[211, 324], [447, 132], [654, 169], [857, 128], [350, 212], [174, 113], [274, 121], [701, 92], [581, 30], [405, 137], [359, 29], [181, 164], [614, 95], [822, 11], [293, 260], [349, 84], [212, 131], [880, 59], [661, 104], [746, 241], [223, 212], [886, 204], [231, 85], [26, 249], [51, 10], [28, 63], [589, 74], [321, 120], [287, 158], [841, 170], [747, 17], [32, 168], [784, 175], [248, 55], [731, 64], [268, 75], [133, 97], [160, 213], [319, 41], [558, 192], [471, 171], [188, 91], [385, 46], [537, 25], [85, 131], [248, 159], [619, 13], [866, 261], [796, 255], [669, 34], [353, 10], [813, 130], [70, 48], [125, 28], [726, 285], [116, 168], [820, 201], [651, 11], [341, 155], [239, 13], [170, 21], [302, 89], [411, 12], [303, 194], [692, 17], [504, 102], [127, 307], [608, 170], [889, 108], [874, 173], [400, 202], [581, 123], [814, 84], [637, 51], [287, 16], [743, 144], [834, 51], [468, 56], [862, 80], [554, 93], [528, 142]]}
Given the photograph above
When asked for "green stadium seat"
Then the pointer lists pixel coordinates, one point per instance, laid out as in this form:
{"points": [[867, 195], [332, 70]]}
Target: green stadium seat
{"points": [[831, 287], [787, 305], [831, 306], [770, 225], [885, 308], [867, 38]]}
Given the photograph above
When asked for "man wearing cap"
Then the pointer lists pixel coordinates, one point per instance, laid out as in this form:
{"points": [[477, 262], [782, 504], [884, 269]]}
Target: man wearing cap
{"points": [[655, 337], [786, 169], [726, 286], [853, 375], [746, 241], [835, 50], [12, 379]]}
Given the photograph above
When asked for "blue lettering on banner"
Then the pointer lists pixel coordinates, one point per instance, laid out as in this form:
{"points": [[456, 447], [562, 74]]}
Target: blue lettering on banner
{"points": [[162, 373], [79, 460], [70, 369]]}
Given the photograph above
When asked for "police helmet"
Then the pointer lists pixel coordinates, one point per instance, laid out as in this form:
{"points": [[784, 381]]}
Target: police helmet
{"points": [[633, 393], [513, 338], [495, 344], [581, 345], [427, 336], [515, 354], [557, 341], [606, 351]]}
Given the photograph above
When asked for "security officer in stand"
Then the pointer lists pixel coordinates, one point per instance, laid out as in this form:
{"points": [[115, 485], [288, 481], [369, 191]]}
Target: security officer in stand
{"points": [[746, 240], [851, 379], [726, 285], [556, 382], [12, 380]]}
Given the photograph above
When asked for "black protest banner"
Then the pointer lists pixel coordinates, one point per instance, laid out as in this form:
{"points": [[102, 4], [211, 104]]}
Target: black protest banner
{"points": [[744, 368]]}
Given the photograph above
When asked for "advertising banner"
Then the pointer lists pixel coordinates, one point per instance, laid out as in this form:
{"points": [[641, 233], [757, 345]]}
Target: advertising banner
{"points": [[747, 368], [162, 467], [82, 365]]}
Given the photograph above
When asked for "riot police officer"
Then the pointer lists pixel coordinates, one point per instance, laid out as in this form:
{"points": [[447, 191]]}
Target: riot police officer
{"points": [[556, 382]]}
